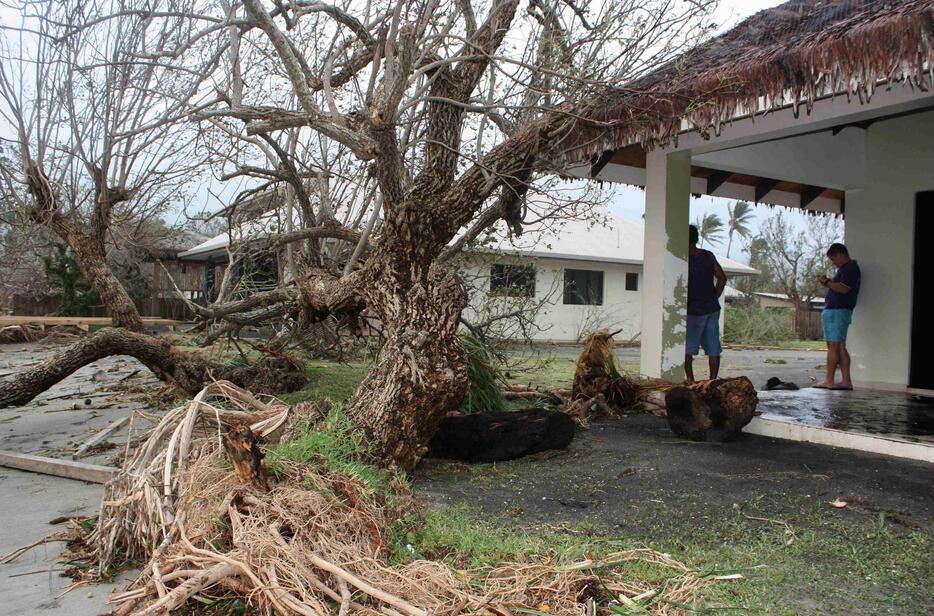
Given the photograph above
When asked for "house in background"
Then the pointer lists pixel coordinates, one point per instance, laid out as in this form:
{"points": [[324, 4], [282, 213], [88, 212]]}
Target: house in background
{"points": [[806, 320], [144, 263], [781, 300], [581, 277]]}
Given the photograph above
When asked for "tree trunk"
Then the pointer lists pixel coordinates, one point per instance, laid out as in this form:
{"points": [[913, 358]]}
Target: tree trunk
{"points": [[117, 302], [421, 371], [188, 371], [714, 410]]}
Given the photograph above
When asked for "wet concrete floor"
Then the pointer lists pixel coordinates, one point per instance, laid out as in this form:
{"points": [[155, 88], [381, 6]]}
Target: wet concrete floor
{"points": [[880, 413]]}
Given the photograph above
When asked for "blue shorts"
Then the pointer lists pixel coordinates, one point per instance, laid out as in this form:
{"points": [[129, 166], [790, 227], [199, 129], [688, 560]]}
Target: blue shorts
{"points": [[836, 322], [704, 331]]}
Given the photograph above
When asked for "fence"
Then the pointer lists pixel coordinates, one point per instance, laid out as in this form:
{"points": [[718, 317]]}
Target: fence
{"points": [[808, 324]]}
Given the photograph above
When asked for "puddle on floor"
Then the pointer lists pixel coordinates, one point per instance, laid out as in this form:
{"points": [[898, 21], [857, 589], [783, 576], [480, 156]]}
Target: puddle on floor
{"points": [[871, 412]]}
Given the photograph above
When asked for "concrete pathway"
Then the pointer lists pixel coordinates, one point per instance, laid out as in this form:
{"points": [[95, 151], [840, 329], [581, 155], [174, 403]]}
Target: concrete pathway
{"points": [[55, 424]]}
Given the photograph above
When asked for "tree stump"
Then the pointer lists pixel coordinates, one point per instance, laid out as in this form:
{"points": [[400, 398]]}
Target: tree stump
{"points": [[596, 376], [501, 435], [711, 410], [244, 453]]}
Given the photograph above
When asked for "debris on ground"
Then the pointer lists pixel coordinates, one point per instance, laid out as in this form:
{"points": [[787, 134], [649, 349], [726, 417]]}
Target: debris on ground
{"points": [[715, 410], [317, 541]]}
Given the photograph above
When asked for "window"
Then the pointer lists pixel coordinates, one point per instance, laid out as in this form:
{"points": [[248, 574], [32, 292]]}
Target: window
{"points": [[512, 280], [632, 281], [583, 287]]}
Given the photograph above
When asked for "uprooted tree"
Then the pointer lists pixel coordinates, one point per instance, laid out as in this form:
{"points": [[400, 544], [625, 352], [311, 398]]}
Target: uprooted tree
{"points": [[399, 133]]}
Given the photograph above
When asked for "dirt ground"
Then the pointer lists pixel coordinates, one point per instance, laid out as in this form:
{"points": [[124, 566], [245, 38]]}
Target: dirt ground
{"points": [[633, 478]]}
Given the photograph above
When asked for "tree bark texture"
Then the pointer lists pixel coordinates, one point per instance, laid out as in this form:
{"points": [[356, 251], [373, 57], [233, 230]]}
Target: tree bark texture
{"points": [[117, 302], [188, 371], [87, 241], [421, 371], [714, 410]]}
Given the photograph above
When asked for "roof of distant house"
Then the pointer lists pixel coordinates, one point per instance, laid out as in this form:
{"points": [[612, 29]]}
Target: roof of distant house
{"points": [[784, 297], [618, 241]]}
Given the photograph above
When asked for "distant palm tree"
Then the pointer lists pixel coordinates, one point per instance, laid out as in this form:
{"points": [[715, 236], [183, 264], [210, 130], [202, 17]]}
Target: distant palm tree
{"points": [[709, 229], [741, 216]]}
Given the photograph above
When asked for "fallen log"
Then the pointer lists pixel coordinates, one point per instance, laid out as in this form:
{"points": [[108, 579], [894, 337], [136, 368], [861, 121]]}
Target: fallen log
{"points": [[501, 435], [713, 411], [188, 371]]}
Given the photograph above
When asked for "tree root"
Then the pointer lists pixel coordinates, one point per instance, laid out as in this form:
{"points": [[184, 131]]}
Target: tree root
{"points": [[305, 547]]}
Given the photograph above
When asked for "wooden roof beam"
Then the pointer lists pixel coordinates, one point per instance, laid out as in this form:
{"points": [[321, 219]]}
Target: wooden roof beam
{"points": [[717, 179], [601, 162], [809, 194], [763, 188]]}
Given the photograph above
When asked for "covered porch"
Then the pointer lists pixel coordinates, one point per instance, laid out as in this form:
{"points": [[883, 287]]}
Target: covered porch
{"points": [[823, 107], [826, 108], [872, 164]]}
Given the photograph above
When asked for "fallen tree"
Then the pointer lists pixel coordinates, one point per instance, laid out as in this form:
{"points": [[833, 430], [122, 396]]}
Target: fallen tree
{"points": [[392, 140], [202, 532], [190, 372]]}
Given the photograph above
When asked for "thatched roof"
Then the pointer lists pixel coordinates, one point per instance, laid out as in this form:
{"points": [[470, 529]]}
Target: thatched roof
{"points": [[794, 53]]}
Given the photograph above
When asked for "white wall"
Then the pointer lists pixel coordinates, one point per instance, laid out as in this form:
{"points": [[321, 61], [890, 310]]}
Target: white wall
{"points": [[880, 236], [621, 309]]}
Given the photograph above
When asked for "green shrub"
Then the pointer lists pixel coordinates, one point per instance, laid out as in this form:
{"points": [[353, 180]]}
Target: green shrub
{"points": [[753, 324], [483, 393]]}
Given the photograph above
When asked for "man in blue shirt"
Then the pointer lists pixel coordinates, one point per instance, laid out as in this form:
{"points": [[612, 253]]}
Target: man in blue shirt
{"points": [[842, 292]]}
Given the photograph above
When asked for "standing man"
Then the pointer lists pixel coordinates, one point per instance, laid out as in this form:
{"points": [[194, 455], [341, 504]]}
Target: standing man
{"points": [[703, 307], [842, 292]]}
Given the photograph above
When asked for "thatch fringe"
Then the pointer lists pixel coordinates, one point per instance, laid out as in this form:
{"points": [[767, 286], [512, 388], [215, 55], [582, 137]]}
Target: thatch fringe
{"points": [[793, 54]]}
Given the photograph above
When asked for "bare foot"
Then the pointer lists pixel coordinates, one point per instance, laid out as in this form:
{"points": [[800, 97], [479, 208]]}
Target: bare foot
{"points": [[843, 387], [824, 385]]}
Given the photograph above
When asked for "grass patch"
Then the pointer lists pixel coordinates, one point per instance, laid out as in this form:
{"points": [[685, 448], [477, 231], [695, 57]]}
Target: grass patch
{"points": [[458, 536], [335, 444], [803, 345], [554, 372], [832, 565], [328, 380]]}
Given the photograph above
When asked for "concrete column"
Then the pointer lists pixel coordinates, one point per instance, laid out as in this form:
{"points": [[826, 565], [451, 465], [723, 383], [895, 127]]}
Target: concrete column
{"points": [[665, 288]]}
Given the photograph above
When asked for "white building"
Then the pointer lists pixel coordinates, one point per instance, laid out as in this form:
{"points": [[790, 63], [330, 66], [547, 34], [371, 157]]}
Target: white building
{"points": [[823, 106], [580, 277]]}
